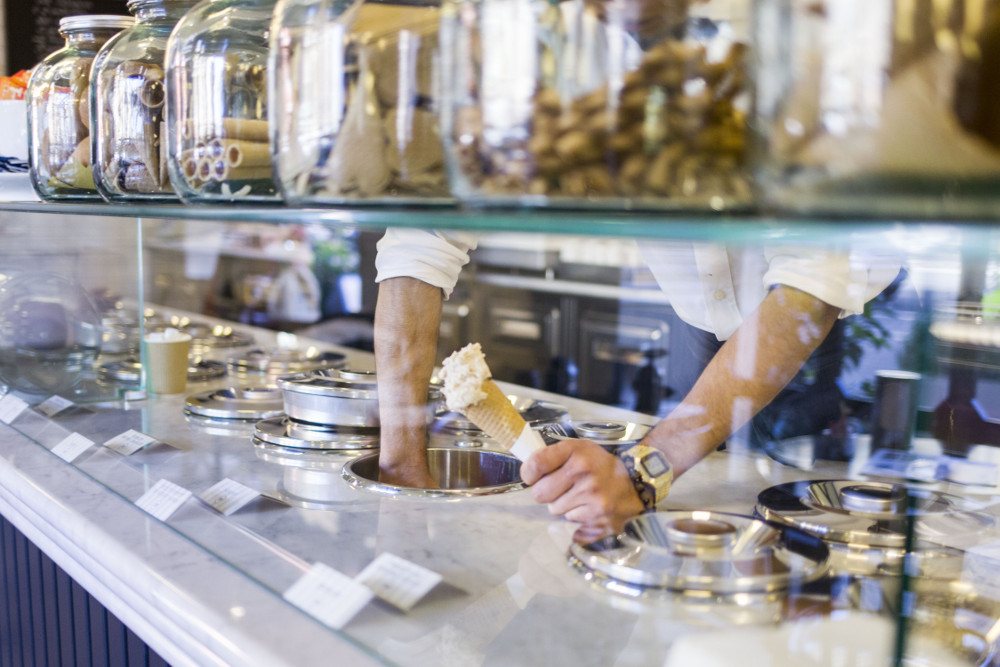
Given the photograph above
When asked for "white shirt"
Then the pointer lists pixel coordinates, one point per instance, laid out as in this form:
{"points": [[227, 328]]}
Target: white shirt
{"points": [[710, 286]]}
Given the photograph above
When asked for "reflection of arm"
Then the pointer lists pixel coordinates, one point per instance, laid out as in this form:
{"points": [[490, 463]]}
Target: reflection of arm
{"points": [[754, 365], [416, 271], [814, 287]]}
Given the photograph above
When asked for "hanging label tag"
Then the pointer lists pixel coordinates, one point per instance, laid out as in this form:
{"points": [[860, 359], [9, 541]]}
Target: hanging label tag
{"points": [[53, 405], [163, 499], [329, 596], [398, 581], [10, 407], [129, 442], [71, 447], [228, 496]]}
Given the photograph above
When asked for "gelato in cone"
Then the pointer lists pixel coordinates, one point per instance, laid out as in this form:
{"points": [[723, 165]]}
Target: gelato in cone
{"points": [[470, 389]]}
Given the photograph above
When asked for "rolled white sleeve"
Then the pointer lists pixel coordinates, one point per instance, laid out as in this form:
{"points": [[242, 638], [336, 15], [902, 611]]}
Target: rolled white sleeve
{"points": [[845, 279], [435, 258]]}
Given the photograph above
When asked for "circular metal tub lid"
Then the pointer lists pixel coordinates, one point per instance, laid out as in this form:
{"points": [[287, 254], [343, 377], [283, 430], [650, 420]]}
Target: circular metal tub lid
{"points": [[608, 433], [338, 383], [870, 514], [535, 413], [283, 432], [242, 403], [284, 361], [207, 335], [700, 551], [330, 460], [129, 371]]}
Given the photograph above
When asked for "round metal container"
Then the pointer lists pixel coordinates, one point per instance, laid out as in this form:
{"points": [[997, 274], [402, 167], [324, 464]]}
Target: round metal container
{"points": [[236, 403], [865, 522], [458, 473], [612, 435], [311, 478], [700, 552], [466, 434], [284, 432], [330, 460], [284, 362], [332, 397], [129, 371]]}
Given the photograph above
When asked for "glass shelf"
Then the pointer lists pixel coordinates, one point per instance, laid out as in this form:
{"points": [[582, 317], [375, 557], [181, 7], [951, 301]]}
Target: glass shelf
{"points": [[730, 227]]}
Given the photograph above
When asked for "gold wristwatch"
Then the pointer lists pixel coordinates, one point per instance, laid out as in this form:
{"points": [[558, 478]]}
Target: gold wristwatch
{"points": [[651, 474]]}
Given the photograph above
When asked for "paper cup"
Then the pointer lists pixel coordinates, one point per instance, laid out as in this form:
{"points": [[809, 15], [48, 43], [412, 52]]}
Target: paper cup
{"points": [[166, 361]]}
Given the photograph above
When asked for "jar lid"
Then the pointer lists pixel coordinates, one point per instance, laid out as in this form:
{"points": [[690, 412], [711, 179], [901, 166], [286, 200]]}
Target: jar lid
{"points": [[95, 22], [132, 5]]}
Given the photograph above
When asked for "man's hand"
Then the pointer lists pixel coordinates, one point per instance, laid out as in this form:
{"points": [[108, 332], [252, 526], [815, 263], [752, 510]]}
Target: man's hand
{"points": [[583, 483]]}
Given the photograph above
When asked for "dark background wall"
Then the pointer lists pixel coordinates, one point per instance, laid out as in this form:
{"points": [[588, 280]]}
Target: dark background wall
{"points": [[31, 27]]}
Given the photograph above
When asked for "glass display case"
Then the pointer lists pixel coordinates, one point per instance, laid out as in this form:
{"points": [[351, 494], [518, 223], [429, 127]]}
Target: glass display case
{"points": [[856, 512]]}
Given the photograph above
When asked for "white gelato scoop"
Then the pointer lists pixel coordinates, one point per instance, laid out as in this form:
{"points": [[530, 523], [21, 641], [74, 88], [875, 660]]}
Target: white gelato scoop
{"points": [[463, 374]]}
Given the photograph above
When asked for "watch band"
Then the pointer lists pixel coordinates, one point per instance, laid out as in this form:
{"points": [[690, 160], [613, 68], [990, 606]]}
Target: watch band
{"points": [[652, 489]]}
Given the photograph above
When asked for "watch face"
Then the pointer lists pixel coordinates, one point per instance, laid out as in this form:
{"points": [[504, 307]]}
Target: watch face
{"points": [[655, 464]]}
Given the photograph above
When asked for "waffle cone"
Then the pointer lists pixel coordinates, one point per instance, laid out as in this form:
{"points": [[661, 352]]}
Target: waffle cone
{"points": [[496, 416]]}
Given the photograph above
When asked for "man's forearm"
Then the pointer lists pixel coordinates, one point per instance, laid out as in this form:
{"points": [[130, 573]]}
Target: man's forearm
{"points": [[407, 320], [746, 374]]}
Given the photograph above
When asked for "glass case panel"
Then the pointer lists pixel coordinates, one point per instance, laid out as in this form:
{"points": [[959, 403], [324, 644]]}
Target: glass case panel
{"points": [[847, 381]]}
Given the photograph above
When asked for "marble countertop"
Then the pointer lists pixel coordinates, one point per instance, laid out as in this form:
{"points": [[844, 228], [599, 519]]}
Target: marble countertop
{"points": [[202, 588]]}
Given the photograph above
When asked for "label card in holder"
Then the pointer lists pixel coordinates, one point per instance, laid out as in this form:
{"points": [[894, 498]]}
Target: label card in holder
{"points": [[10, 407], [163, 499], [53, 405], [129, 442], [329, 596], [228, 496], [398, 581], [71, 447]]}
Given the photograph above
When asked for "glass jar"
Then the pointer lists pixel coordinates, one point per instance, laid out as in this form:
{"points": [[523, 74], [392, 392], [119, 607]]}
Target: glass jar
{"points": [[635, 102], [354, 98], [880, 108], [217, 102], [127, 100], [59, 109]]}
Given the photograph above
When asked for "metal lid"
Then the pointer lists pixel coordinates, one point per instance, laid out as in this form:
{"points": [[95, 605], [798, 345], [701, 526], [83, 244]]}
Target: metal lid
{"points": [[95, 22], [129, 371], [203, 335], [283, 361], [332, 382], [284, 432], [535, 413], [243, 403], [331, 460], [607, 433], [705, 552], [869, 514]]}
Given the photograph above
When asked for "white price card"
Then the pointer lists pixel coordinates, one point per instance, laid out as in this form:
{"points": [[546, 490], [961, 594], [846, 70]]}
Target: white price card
{"points": [[53, 405], [129, 442], [228, 496], [329, 596], [71, 447], [398, 581], [10, 407], [163, 499]]}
